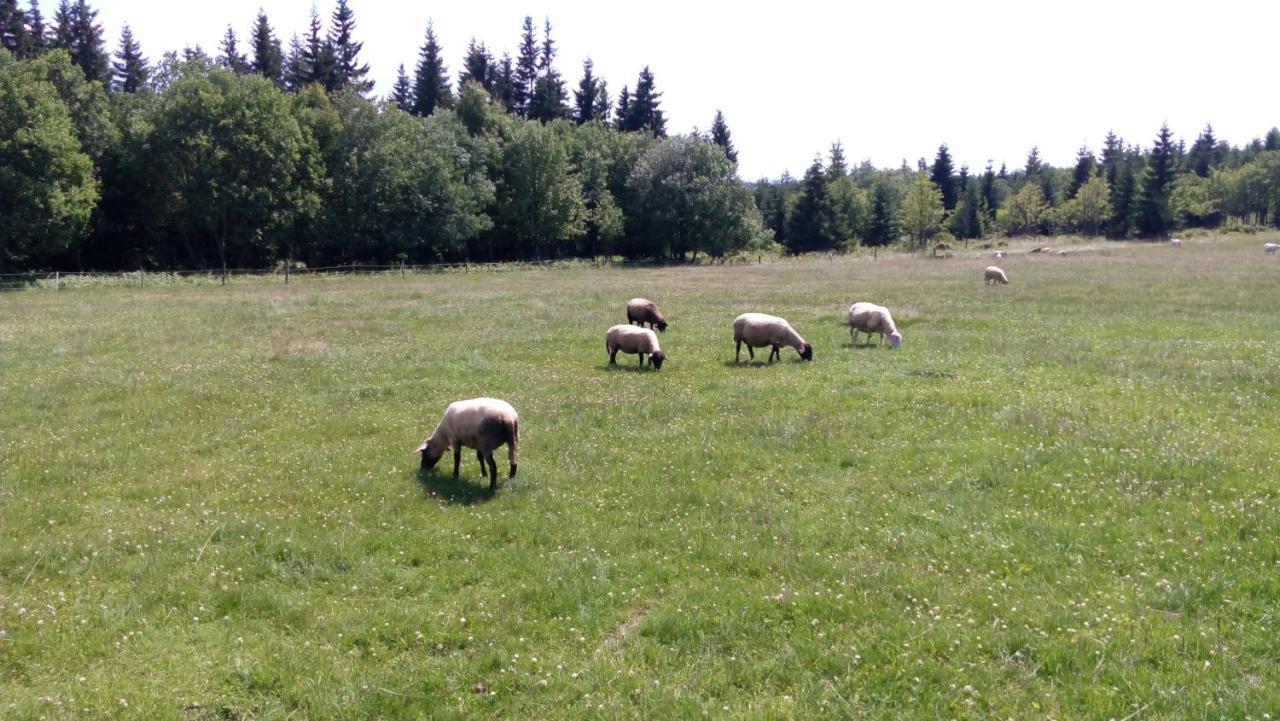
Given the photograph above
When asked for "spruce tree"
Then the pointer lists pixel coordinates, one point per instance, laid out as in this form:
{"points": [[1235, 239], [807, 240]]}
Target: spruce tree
{"points": [[63, 35], [504, 83], [315, 64], [1085, 163], [1154, 218], [402, 93], [837, 166], [550, 100], [295, 72], [231, 58], [477, 66], [962, 182], [37, 39], [131, 67], [13, 28], [268, 58], [623, 109], [1272, 141], [942, 176], [1204, 153], [1034, 165], [643, 112], [813, 224], [431, 81], [883, 228], [526, 71], [989, 190], [548, 53], [602, 103], [86, 43], [584, 98], [348, 71], [720, 136]]}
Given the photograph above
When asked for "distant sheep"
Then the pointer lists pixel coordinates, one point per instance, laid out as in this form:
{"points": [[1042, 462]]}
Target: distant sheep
{"points": [[1271, 248], [1176, 241], [870, 318], [994, 275], [1061, 252], [643, 310], [1041, 249], [758, 330], [630, 339], [480, 423], [998, 254]]}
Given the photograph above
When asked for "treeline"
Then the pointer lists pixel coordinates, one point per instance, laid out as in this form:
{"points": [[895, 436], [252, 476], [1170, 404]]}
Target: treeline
{"points": [[1127, 191], [249, 159]]}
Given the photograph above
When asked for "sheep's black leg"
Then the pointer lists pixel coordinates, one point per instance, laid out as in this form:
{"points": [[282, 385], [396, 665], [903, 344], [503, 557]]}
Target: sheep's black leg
{"points": [[641, 357], [737, 351], [493, 472], [480, 458], [751, 352], [613, 357], [457, 458]]}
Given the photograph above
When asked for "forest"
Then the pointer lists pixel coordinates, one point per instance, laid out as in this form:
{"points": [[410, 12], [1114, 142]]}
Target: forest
{"points": [[269, 152]]}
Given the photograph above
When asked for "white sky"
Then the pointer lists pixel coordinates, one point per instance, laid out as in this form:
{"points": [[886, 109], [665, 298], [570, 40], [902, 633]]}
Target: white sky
{"points": [[891, 80]]}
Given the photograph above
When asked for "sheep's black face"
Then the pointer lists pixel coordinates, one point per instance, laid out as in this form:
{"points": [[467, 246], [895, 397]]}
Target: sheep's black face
{"points": [[431, 455], [656, 359], [662, 326], [806, 352]]}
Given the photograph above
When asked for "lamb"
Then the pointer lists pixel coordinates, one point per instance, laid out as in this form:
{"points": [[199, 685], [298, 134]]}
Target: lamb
{"points": [[870, 318], [630, 339], [479, 423], [643, 310], [994, 275], [1271, 248], [759, 329]]}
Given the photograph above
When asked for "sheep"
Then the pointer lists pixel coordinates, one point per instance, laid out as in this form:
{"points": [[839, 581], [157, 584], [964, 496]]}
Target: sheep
{"points": [[759, 329], [994, 275], [1061, 252], [870, 318], [479, 423], [1041, 249], [1175, 242], [642, 310], [998, 254], [630, 339], [1271, 248]]}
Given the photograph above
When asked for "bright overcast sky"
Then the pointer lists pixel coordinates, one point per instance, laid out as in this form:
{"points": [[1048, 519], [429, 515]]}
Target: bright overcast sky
{"points": [[891, 80]]}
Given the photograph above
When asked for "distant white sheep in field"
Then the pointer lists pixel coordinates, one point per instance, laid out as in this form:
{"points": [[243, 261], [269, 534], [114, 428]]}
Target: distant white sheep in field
{"points": [[758, 330], [1271, 248], [480, 423], [1175, 242], [999, 254], [870, 318], [994, 275]]}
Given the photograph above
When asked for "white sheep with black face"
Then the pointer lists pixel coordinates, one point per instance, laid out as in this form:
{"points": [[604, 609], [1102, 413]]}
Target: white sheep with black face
{"points": [[758, 330], [634, 339], [870, 318], [480, 423]]}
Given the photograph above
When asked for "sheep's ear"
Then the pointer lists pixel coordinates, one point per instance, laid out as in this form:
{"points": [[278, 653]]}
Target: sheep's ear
{"points": [[420, 448]]}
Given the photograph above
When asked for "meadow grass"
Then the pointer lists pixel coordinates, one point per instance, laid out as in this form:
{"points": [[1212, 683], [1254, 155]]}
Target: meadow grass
{"points": [[1058, 499]]}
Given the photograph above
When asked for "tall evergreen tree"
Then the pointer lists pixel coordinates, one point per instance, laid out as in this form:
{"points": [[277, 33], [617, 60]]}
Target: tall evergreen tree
{"points": [[431, 81], [1204, 153], [550, 100], [348, 71], [86, 44], [231, 58], [883, 228], [1085, 163], [623, 109], [1272, 141], [989, 190], [402, 93], [1034, 165], [316, 63], [131, 67], [63, 34], [602, 103], [294, 73], [837, 166], [268, 57], [813, 224], [720, 136], [548, 53], [1154, 218], [643, 112], [477, 66], [526, 71], [584, 98], [942, 174], [504, 82], [37, 37], [13, 28]]}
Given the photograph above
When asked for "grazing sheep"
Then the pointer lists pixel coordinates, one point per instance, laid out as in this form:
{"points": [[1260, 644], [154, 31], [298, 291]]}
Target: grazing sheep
{"points": [[630, 339], [479, 423], [870, 318], [994, 275], [999, 254], [1041, 249], [1062, 252], [1176, 241], [759, 329], [642, 310], [1271, 248]]}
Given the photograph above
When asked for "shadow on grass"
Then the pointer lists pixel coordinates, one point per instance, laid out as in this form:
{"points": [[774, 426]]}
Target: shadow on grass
{"points": [[462, 491], [763, 364], [628, 368], [862, 346]]}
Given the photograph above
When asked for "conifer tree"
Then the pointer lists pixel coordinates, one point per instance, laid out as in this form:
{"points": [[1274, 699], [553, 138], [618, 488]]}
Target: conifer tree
{"points": [[402, 93], [504, 82], [294, 73], [1085, 163], [1154, 218], [602, 103], [13, 28], [63, 35], [348, 71], [813, 224], [720, 136], [268, 58], [1204, 153], [942, 176], [883, 228], [1272, 141], [962, 181], [837, 166], [550, 100], [526, 70], [584, 98], [431, 82], [37, 38], [1034, 165], [989, 191], [643, 112], [316, 63], [131, 67], [477, 66], [85, 40], [548, 53], [231, 58], [623, 109]]}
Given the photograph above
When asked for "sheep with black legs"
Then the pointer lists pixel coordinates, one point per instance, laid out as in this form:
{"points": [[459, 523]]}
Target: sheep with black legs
{"points": [[870, 318], [643, 310], [632, 339], [480, 423], [994, 275], [758, 330]]}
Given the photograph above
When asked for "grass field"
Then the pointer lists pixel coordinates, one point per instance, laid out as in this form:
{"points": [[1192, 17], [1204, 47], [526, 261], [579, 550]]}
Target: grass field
{"points": [[1058, 499]]}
